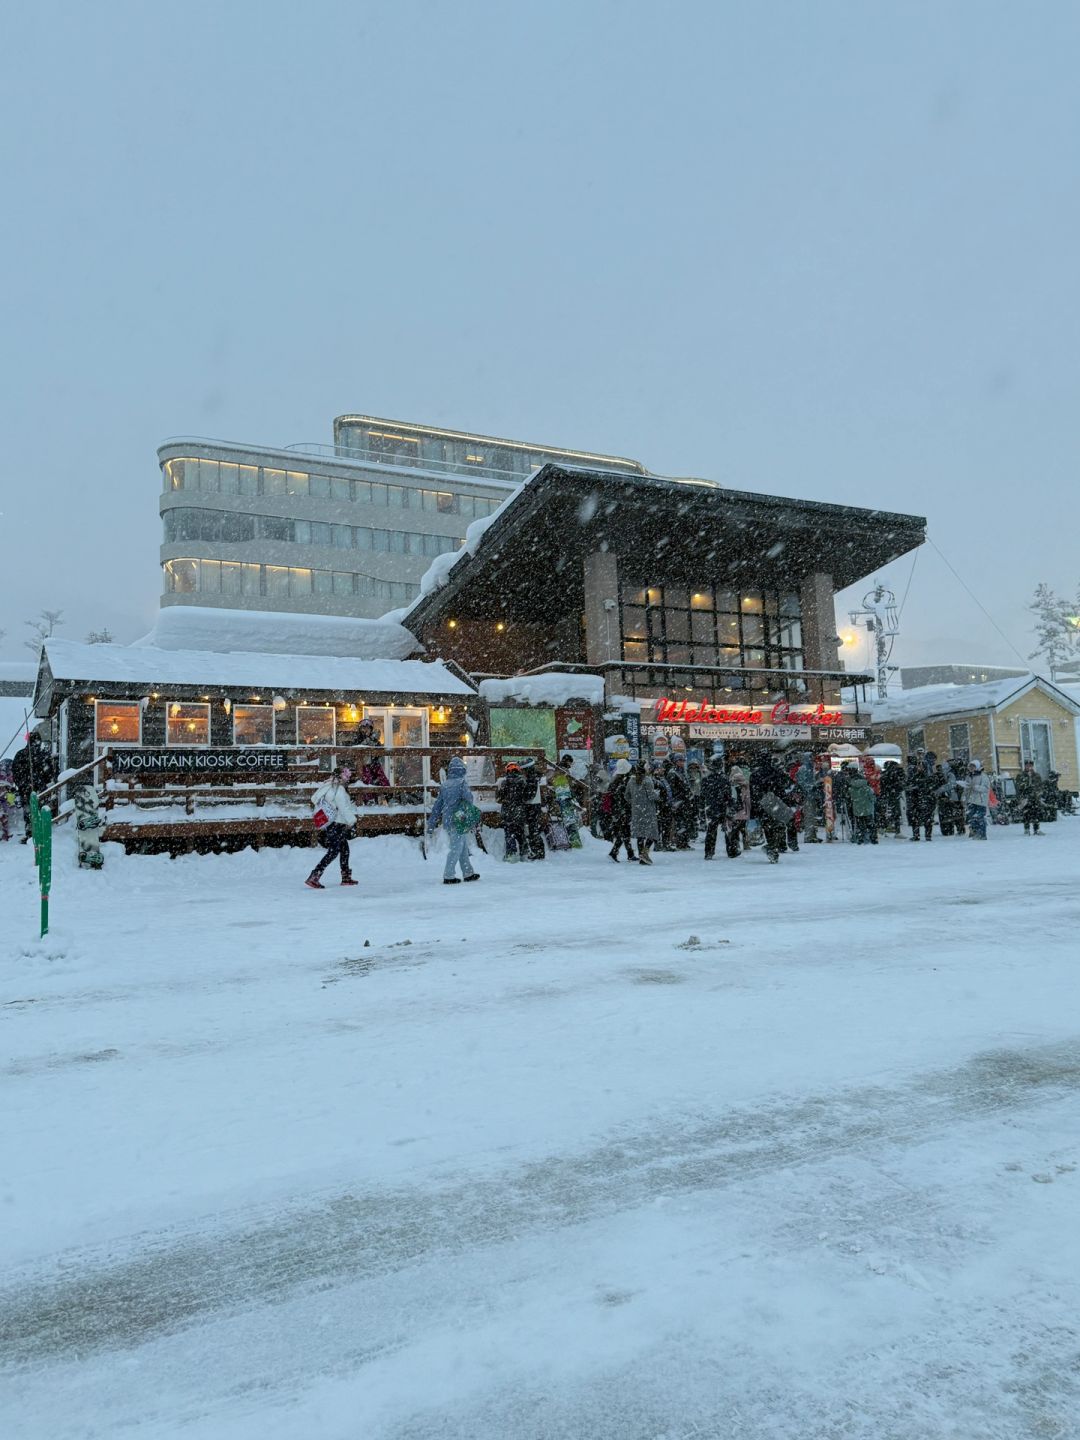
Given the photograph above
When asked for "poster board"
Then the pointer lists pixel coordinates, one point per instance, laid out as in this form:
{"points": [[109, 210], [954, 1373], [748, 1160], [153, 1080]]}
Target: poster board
{"points": [[524, 726]]}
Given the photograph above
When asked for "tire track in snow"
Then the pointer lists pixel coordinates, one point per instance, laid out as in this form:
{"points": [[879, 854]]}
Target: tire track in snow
{"points": [[97, 1303]]}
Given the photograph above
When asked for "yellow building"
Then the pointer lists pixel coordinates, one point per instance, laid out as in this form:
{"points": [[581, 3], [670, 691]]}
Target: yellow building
{"points": [[1003, 724]]}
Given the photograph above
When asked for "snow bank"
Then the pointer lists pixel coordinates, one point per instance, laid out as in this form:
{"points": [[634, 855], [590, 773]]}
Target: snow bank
{"points": [[197, 627], [553, 688]]}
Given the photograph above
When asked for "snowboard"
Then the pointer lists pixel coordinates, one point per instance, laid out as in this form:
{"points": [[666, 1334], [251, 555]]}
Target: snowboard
{"points": [[88, 828]]}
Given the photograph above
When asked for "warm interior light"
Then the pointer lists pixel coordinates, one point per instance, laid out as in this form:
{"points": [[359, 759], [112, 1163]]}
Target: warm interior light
{"points": [[452, 624], [500, 626], [114, 728], [153, 695]]}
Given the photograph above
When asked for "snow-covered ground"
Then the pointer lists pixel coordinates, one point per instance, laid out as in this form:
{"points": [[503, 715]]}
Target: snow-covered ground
{"points": [[525, 1159]]}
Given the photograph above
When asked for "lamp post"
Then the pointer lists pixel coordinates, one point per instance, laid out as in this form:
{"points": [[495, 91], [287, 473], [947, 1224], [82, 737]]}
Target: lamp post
{"points": [[879, 615]]}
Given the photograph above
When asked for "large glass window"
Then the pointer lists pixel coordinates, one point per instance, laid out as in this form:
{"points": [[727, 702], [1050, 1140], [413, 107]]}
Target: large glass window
{"points": [[118, 722], [315, 725], [187, 724], [237, 577], [706, 625], [253, 724]]}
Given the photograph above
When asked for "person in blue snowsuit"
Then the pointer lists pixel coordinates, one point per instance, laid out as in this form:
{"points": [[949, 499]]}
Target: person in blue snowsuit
{"points": [[454, 793]]}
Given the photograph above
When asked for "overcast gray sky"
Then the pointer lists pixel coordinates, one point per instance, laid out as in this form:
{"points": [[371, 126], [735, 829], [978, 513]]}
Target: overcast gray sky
{"points": [[825, 250]]}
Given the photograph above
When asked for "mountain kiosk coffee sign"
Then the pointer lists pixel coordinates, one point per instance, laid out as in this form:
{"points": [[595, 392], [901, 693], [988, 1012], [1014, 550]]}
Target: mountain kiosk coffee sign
{"points": [[197, 762]]}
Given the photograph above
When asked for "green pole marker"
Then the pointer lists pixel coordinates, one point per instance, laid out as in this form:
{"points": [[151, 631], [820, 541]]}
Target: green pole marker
{"points": [[45, 866], [34, 813], [41, 829]]}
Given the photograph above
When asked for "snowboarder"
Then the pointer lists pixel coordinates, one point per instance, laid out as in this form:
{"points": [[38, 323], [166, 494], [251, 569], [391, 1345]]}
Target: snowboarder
{"points": [[767, 783], [335, 816], [643, 794], [1029, 792], [567, 790], [454, 809]]}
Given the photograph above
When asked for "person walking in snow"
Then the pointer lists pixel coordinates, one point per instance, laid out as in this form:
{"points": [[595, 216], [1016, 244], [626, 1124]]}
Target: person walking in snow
{"points": [[643, 794], [32, 771], [810, 789], [454, 809], [861, 794], [767, 784], [716, 801], [738, 812], [892, 789], [920, 793], [1029, 793], [977, 800], [619, 812], [333, 802], [512, 793], [534, 810]]}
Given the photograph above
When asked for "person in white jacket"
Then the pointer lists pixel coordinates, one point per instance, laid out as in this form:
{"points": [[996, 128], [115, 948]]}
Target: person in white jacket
{"points": [[977, 800], [335, 802]]}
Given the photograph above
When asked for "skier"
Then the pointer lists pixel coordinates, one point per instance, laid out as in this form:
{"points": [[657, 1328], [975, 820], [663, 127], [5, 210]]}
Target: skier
{"points": [[977, 800], [451, 808], [643, 795], [1029, 792], [334, 801], [512, 793], [716, 799], [619, 812]]}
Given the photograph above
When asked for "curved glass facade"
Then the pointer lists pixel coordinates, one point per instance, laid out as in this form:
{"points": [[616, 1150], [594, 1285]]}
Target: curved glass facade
{"points": [[221, 477], [278, 582], [237, 527]]}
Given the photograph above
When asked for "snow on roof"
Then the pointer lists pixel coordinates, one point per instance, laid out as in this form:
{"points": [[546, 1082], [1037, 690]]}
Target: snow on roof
{"points": [[144, 665], [198, 627], [438, 572], [556, 687], [931, 700]]}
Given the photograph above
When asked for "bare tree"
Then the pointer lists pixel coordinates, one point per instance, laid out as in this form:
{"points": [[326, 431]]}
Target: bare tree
{"points": [[43, 627]]}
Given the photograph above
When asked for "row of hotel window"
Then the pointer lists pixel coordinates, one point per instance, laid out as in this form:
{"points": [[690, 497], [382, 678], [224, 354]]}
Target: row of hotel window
{"points": [[222, 477], [119, 722], [231, 527], [237, 577], [465, 455], [677, 625]]}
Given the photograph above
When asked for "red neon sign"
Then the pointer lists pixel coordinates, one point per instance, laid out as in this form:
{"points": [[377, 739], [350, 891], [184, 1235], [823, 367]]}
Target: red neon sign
{"points": [[781, 713]]}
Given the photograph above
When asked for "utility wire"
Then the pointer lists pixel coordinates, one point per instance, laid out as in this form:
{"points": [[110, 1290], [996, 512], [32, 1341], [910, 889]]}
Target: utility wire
{"points": [[982, 607], [907, 587]]}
